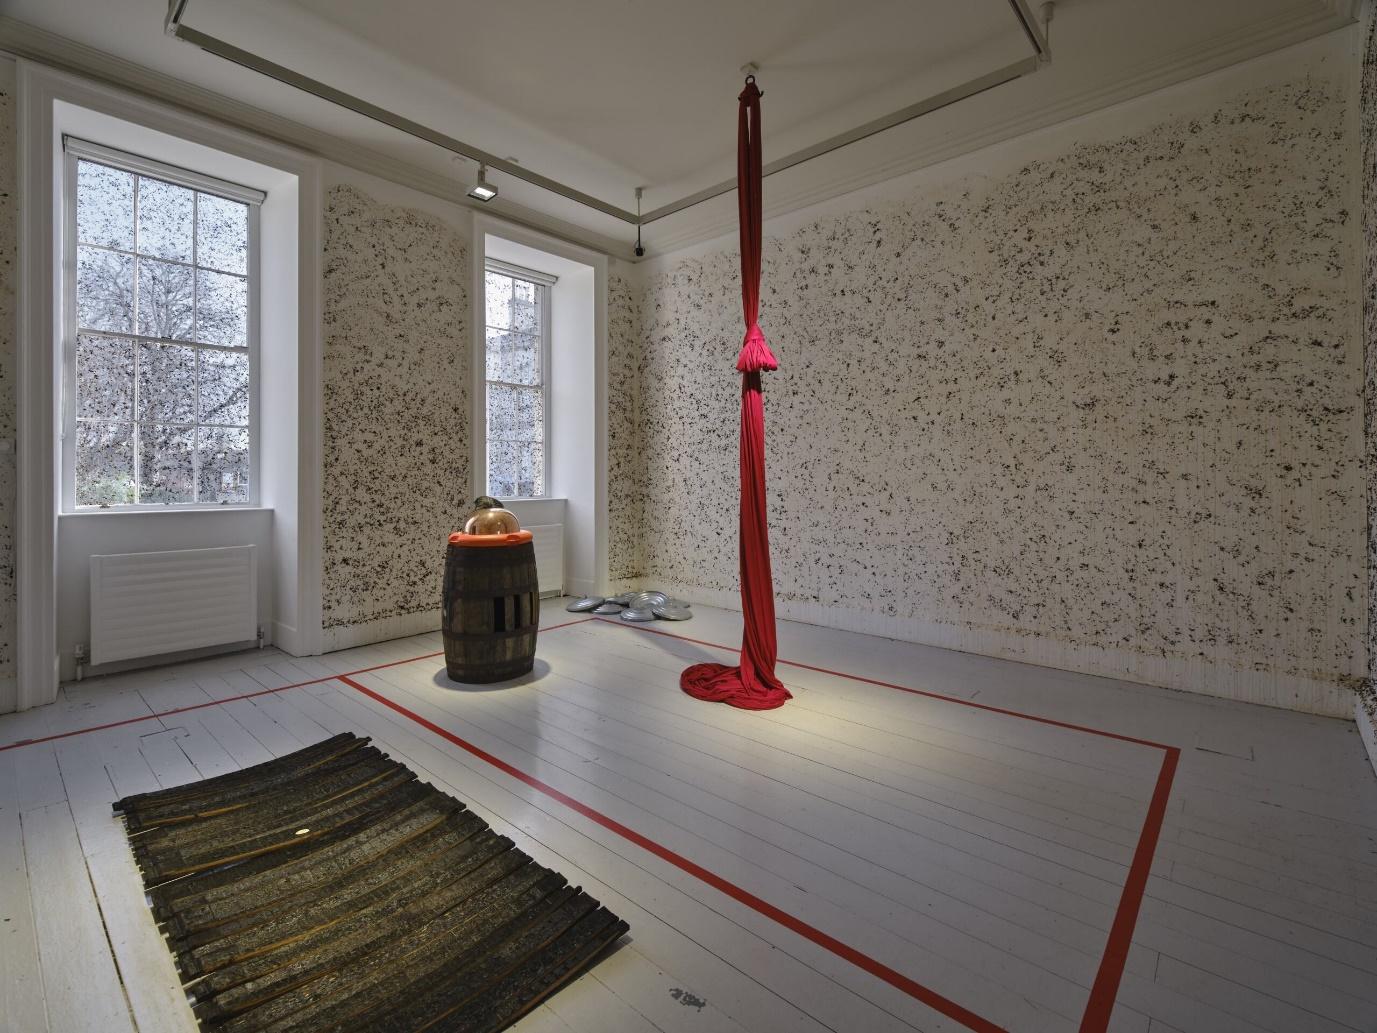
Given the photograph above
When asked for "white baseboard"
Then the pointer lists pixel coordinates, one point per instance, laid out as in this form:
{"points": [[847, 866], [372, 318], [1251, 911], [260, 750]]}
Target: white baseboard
{"points": [[404, 624], [1270, 688], [1367, 728]]}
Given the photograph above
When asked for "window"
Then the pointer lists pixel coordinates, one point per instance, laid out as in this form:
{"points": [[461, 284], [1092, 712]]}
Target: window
{"points": [[162, 334], [517, 336]]}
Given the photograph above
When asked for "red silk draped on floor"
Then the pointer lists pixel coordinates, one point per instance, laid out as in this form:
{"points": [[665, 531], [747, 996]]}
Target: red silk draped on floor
{"points": [[752, 685]]}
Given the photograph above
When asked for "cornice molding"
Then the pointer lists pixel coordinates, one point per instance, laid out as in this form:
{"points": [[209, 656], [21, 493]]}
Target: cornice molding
{"points": [[1350, 10], [24, 40], [1189, 63]]}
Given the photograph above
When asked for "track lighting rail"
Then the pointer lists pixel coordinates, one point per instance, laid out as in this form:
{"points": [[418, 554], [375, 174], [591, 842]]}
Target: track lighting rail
{"points": [[176, 26]]}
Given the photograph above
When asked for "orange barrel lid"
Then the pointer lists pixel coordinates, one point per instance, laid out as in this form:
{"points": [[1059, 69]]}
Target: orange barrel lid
{"points": [[488, 541]]}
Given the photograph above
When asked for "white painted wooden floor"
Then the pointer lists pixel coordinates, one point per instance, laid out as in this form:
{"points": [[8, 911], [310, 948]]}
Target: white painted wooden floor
{"points": [[864, 859]]}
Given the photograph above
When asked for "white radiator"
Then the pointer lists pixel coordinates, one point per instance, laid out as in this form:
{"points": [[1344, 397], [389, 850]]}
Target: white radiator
{"points": [[148, 603], [548, 540]]}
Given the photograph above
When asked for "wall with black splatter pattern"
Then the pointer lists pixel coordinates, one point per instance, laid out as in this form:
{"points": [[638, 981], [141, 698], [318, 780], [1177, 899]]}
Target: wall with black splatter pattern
{"points": [[1099, 410], [396, 407], [9, 200], [625, 472], [1367, 711]]}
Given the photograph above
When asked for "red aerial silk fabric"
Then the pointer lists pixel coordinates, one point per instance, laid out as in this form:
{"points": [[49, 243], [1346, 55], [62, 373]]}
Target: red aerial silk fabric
{"points": [[752, 685]]}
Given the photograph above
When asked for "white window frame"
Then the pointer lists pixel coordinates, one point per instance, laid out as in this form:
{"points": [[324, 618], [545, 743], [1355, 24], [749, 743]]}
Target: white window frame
{"points": [[544, 282], [75, 149]]}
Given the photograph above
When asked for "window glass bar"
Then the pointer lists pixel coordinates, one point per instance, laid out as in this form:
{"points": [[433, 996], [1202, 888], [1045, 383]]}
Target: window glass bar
{"points": [[516, 340], [234, 463]]}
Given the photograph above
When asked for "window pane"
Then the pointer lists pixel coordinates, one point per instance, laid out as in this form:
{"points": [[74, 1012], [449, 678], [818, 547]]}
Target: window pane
{"points": [[166, 213], [530, 415], [532, 471], [105, 378], [222, 234], [165, 464], [525, 307], [222, 309], [105, 206], [497, 294], [513, 357], [224, 466], [224, 387], [501, 412], [105, 290], [167, 383], [165, 302], [515, 413], [502, 469], [104, 464]]}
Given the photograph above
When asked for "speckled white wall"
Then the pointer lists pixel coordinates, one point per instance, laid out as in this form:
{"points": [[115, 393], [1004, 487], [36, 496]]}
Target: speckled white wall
{"points": [[395, 375], [8, 204], [1099, 410], [626, 473], [1366, 712]]}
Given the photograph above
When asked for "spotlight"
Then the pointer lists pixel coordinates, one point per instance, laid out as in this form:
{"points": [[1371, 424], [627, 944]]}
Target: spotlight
{"points": [[483, 190]]}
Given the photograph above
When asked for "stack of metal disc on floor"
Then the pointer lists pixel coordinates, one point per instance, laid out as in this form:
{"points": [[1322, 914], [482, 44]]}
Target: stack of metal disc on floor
{"points": [[634, 607]]}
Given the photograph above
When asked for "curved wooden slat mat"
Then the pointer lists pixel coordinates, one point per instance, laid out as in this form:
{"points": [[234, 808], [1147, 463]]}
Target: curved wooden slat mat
{"points": [[331, 890]]}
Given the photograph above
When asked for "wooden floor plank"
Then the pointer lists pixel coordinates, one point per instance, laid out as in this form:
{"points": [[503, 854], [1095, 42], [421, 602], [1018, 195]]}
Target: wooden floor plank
{"points": [[21, 978], [145, 967], [81, 984]]}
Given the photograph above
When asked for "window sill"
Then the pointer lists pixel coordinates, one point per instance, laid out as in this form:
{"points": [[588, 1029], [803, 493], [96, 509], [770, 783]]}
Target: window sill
{"points": [[161, 511]]}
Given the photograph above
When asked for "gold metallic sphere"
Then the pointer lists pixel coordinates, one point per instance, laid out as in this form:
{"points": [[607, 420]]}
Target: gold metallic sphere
{"points": [[493, 520]]}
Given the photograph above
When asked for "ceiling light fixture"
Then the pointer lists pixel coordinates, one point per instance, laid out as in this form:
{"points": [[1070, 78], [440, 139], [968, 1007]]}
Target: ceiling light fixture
{"points": [[483, 190]]}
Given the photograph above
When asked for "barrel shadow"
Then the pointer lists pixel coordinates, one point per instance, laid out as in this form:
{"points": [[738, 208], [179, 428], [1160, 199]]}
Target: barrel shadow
{"points": [[442, 680]]}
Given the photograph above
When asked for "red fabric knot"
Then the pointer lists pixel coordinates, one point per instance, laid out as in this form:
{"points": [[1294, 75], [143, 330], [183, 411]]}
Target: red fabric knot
{"points": [[755, 353]]}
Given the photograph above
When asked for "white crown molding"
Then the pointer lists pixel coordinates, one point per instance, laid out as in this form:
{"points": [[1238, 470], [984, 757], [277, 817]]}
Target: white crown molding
{"points": [[24, 40], [1349, 10], [1189, 63]]}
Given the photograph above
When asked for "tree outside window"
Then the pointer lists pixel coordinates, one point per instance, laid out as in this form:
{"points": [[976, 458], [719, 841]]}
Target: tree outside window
{"points": [[516, 321], [162, 354]]}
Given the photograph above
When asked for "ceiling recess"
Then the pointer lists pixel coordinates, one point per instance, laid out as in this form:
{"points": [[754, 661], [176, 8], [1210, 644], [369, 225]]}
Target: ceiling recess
{"points": [[1033, 29]]}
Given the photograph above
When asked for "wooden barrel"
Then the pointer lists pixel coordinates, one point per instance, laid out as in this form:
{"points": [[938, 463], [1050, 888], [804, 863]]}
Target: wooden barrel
{"points": [[491, 607]]}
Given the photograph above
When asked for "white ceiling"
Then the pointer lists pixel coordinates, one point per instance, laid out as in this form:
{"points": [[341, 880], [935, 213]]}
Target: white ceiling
{"points": [[651, 87], [606, 95]]}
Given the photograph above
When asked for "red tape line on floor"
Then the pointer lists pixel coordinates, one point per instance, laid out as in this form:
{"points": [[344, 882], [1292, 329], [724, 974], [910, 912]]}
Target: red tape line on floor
{"points": [[1105, 989], [247, 695], [902, 688], [864, 962]]}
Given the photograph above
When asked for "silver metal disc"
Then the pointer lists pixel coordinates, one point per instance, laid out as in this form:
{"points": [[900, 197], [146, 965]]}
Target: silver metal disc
{"points": [[673, 613], [608, 607], [623, 599], [646, 600], [588, 602], [637, 616], [678, 604]]}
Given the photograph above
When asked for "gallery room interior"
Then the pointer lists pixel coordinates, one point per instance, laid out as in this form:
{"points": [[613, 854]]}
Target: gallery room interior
{"points": [[664, 518]]}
